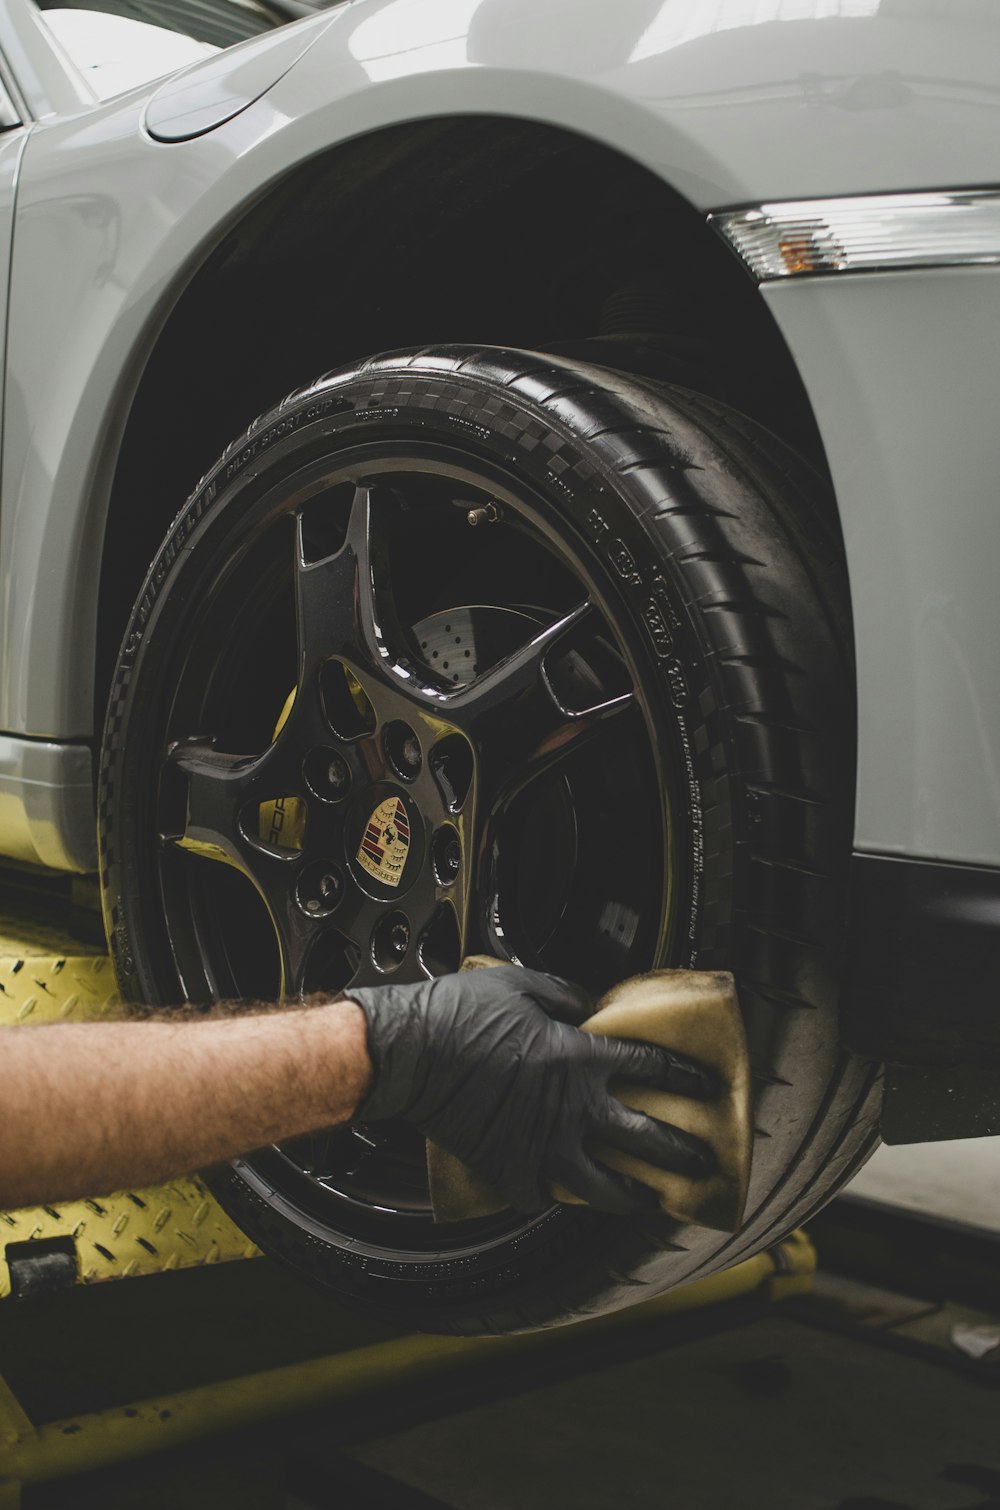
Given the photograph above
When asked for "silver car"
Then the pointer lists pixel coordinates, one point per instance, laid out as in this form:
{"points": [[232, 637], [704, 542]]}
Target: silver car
{"points": [[616, 585]]}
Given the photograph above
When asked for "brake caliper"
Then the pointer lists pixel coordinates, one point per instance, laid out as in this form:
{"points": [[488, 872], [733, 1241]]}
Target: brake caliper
{"points": [[282, 821]]}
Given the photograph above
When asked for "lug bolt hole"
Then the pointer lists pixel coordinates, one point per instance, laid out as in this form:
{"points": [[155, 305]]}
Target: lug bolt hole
{"points": [[402, 749], [327, 774], [319, 888], [390, 941], [446, 854]]}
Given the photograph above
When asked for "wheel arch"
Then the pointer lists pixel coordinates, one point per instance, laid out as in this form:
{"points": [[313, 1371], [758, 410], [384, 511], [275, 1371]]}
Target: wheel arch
{"points": [[574, 243]]}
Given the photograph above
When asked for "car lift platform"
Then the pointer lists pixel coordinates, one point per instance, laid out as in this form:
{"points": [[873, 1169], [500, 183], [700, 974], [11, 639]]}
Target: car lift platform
{"points": [[50, 1257]]}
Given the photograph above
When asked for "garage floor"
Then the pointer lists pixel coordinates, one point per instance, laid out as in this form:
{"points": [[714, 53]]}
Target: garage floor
{"points": [[852, 1398], [959, 1180], [775, 1413]]}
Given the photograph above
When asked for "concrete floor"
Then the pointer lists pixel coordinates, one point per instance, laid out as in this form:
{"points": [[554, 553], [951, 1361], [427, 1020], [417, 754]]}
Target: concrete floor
{"points": [[958, 1180], [776, 1414]]}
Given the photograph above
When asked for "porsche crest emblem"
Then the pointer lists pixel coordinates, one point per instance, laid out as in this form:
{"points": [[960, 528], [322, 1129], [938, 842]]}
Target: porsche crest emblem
{"points": [[385, 842]]}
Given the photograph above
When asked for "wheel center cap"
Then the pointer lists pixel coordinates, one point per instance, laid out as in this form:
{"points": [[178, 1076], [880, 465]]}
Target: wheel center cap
{"points": [[385, 840]]}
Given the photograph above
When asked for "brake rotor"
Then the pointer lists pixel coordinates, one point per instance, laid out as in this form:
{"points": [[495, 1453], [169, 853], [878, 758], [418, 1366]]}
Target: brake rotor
{"points": [[459, 642]]}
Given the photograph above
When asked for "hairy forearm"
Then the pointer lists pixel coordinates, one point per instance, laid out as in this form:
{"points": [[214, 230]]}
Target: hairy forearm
{"points": [[90, 1108]]}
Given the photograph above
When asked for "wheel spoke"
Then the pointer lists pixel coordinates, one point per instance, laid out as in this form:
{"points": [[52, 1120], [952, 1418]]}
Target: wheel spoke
{"points": [[218, 785], [344, 602], [520, 725], [355, 919], [499, 688], [544, 741], [486, 916], [521, 728], [294, 934], [289, 891]]}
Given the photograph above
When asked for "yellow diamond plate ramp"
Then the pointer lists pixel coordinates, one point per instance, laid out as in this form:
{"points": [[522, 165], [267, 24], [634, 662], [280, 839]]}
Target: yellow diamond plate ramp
{"points": [[172, 1226]]}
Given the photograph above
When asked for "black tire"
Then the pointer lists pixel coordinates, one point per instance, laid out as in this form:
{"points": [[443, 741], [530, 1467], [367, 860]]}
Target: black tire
{"points": [[710, 551]]}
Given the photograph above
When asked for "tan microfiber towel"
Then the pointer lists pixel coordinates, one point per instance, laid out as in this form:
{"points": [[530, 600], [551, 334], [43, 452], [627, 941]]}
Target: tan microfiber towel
{"points": [[694, 1013]]}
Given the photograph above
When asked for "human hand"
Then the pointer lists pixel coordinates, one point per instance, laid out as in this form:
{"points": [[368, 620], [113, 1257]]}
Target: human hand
{"points": [[490, 1065]]}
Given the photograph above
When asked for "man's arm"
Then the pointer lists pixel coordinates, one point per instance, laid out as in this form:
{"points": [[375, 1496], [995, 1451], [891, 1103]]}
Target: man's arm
{"points": [[486, 1063], [89, 1108]]}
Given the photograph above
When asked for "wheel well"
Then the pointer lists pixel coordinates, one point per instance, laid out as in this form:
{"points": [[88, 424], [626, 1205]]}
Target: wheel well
{"points": [[478, 230]]}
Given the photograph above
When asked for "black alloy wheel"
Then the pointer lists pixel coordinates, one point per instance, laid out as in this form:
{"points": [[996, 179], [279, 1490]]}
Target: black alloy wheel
{"points": [[431, 677], [442, 780]]}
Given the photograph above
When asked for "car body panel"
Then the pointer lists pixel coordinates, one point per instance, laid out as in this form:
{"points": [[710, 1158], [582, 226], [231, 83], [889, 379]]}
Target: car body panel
{"points": [[12, 144], [902, 370], [206, 95], [47, 804], [820, 98]]}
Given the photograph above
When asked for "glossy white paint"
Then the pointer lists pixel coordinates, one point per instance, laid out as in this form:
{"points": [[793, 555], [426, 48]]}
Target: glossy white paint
{"points": [[12, 145], [46, 803], [201, 98], [902, 370], [731, 102]]}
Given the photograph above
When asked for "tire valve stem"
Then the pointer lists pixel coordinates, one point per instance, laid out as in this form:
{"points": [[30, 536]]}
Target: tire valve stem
{"points": [[490, 513]]}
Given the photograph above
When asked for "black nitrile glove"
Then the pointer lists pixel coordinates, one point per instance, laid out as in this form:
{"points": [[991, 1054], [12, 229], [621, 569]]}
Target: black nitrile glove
{"points": [[487, 1064]]}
